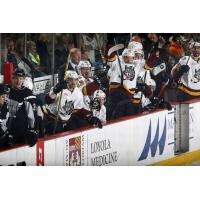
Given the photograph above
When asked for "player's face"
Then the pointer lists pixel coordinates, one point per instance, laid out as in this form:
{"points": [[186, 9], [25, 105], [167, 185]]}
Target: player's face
{"points": [[33, 48], [18, 82], [196, 51], [11, 46], [128, 59], [72, 83], [138, 56], [86, 72], [2, 99]]}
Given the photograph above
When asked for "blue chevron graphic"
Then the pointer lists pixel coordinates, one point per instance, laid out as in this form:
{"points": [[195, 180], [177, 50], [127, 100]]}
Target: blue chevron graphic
{"points": [[156, 143]]}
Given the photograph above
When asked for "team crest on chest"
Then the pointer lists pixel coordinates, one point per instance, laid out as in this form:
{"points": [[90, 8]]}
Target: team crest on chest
{"points": [[129, 73], [196, 77], [68, 107]]}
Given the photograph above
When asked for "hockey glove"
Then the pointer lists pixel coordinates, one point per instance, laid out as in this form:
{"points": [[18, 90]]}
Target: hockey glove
{"points": [[32, 137], [183, 69], [165, 104], [160, 103], [95, 121], [142, 87], [6, 140], [59, 87]]}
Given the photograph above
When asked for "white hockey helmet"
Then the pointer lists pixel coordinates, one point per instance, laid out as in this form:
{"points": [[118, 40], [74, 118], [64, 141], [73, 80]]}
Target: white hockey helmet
{"points": [[71, 74], [128, 53], [99, 94], [194, 44], [135, 46], [84, 64], [139, 51]]}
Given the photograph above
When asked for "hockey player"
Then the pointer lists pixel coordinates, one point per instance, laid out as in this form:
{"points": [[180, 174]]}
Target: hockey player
{"points": [[5, 139], [69, 108], [145, 99], [187, 74], [22, 121], [85, 73], [97, 105], [94, 102], [123, 74], [141, 98]]}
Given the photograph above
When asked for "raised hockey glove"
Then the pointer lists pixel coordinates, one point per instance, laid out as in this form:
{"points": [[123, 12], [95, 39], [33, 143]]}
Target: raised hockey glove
{"points": [[59, 87], [32, 137], [95, 121]]}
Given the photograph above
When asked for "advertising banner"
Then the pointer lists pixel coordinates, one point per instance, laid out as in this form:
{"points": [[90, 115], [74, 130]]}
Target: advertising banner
{"points": [[141, 140], [138, 141]]}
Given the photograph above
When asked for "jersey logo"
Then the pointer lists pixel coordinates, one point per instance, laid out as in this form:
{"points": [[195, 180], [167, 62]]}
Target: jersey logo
{"points": [[68, 107], [129, 73], [196, 77]]}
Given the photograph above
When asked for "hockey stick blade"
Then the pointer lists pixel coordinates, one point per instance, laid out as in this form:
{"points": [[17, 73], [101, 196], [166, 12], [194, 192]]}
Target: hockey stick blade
{"points": [[115, 48]]}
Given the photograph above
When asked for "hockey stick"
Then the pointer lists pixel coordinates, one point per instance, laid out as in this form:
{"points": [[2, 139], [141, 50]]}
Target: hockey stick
{"points": [[115, 48], [120, 66], [145, 75], [59, 102]]}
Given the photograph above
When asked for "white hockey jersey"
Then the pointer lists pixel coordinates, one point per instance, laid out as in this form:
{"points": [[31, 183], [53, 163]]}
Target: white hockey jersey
{"points": [[82, 83], [146, 77], [190, 81], [100, 114], [129, 73], [70, 101]]}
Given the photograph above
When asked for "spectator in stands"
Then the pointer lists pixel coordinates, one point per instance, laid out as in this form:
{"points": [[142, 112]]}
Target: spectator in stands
{"points": [[11, 54], [74, 57], [85, 55], [43, 53], [16, 56], [64, 45], [34, 59]]}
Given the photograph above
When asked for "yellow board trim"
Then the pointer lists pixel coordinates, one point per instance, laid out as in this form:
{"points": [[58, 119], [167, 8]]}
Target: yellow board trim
{"points": [[180, 160], [188, 91]]}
